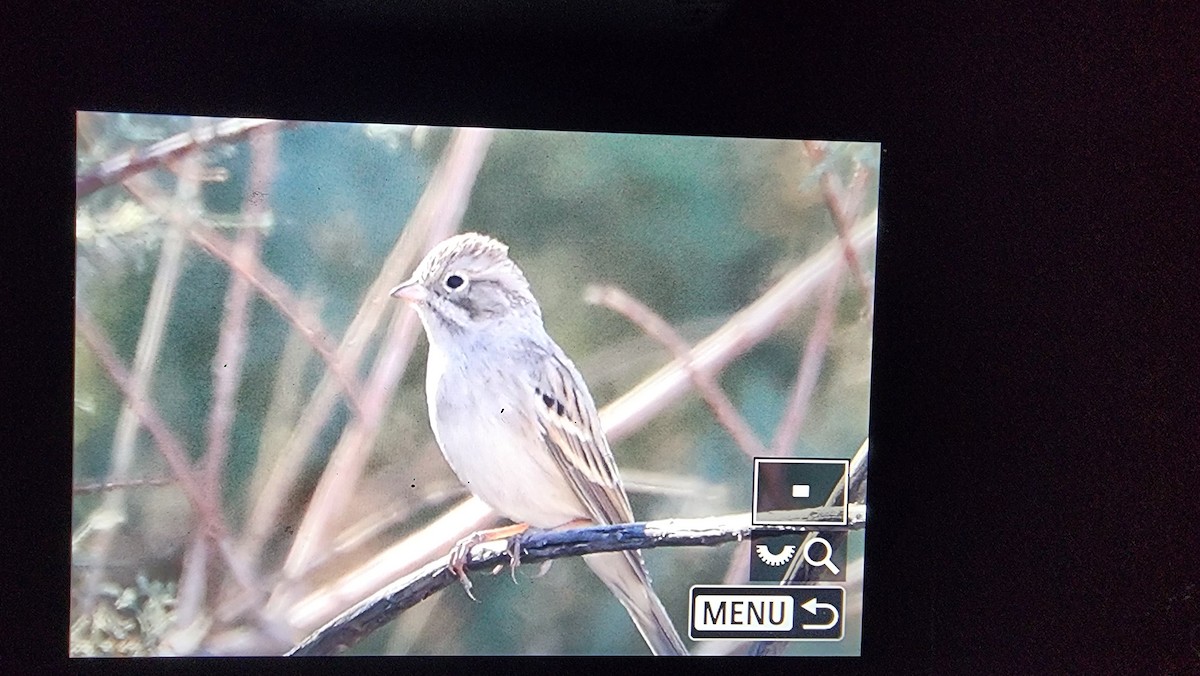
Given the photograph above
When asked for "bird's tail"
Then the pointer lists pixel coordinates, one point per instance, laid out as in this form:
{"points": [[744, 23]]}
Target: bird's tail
{"points": [[625, 575]]}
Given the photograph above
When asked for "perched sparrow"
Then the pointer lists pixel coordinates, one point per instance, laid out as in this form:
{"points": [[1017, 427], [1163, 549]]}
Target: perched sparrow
{"points": [[514, 418]]}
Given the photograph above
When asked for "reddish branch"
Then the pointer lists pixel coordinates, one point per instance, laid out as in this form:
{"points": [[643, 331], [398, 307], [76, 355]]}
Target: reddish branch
{"points": [[231, 344], [844, 204], [168, 444], [806, 375], [706, 384], [270, 287], [120, 168]]}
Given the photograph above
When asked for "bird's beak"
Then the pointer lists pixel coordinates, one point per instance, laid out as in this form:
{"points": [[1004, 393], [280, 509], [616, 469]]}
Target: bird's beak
{"points": [[411, 292]]}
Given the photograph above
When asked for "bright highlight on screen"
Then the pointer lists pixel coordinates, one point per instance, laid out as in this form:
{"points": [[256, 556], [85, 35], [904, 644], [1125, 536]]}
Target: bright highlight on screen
{"points": [[313, 415]]}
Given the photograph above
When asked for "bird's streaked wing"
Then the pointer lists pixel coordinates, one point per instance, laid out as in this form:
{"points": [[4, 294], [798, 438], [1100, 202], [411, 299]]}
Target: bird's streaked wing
{"points": [[571, 430]]}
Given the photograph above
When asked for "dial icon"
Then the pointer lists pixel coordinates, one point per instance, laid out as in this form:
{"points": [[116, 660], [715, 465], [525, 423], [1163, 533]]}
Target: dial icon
{"points": [[772, 559]]}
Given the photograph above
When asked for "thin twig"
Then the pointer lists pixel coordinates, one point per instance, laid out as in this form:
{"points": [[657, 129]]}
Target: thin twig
{"points": [[270, 287], [276, 292], [349, 457], [807, 372], [103, 486], [364, 618], [231, 341], [286, 397], [120, 168], [195, 569], [190, 171], [856, 490], [193, 584], [168, 444], [844, 205], [703, 380]]}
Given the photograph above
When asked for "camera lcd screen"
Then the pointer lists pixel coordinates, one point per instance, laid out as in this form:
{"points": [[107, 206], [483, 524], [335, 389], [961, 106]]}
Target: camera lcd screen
{"points": [[256, 469]]}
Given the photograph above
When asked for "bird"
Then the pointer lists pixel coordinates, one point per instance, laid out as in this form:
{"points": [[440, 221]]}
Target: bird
{"points": [[514, 418]]}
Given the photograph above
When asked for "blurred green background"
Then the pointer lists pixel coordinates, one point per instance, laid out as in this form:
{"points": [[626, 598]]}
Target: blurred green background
{"points": [[696, 228]]}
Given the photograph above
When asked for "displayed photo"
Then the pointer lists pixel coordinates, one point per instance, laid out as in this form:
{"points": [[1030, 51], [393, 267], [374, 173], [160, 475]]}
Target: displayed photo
{"points": [[398, 389]]}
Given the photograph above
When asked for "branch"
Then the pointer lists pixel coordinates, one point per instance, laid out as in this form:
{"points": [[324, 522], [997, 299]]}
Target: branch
{"points": [[91, 487], [807, 373], [270, 287], [232, 338], [702, 379], [128, 164], [751, 325], [844, 205], [364, 618], [168, 444], [857, 482]]}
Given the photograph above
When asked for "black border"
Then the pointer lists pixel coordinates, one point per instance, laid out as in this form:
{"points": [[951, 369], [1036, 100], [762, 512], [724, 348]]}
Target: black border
{"points": [[1033, 401]]}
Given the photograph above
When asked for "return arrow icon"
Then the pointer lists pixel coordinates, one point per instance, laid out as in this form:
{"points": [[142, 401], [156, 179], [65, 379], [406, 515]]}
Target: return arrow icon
{"points": [[812, 605]]}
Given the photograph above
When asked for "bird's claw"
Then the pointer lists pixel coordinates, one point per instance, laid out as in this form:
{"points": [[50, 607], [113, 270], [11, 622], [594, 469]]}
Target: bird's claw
{"points": [[514, 553], [460, 554]]}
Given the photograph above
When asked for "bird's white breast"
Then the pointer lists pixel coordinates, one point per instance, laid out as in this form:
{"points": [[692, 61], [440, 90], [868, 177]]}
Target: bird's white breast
{"points": [[483, 421]]}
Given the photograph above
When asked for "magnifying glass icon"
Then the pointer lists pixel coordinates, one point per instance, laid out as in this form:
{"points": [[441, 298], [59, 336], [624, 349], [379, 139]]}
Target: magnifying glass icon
{"points": [[826, 560]]}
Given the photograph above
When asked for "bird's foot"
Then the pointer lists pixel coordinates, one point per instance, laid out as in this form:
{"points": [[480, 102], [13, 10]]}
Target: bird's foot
{"points": [[460, 553]]}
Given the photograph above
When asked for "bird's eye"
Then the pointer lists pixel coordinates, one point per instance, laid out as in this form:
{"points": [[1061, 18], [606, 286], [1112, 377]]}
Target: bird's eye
{"points": [[454, 281]]}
